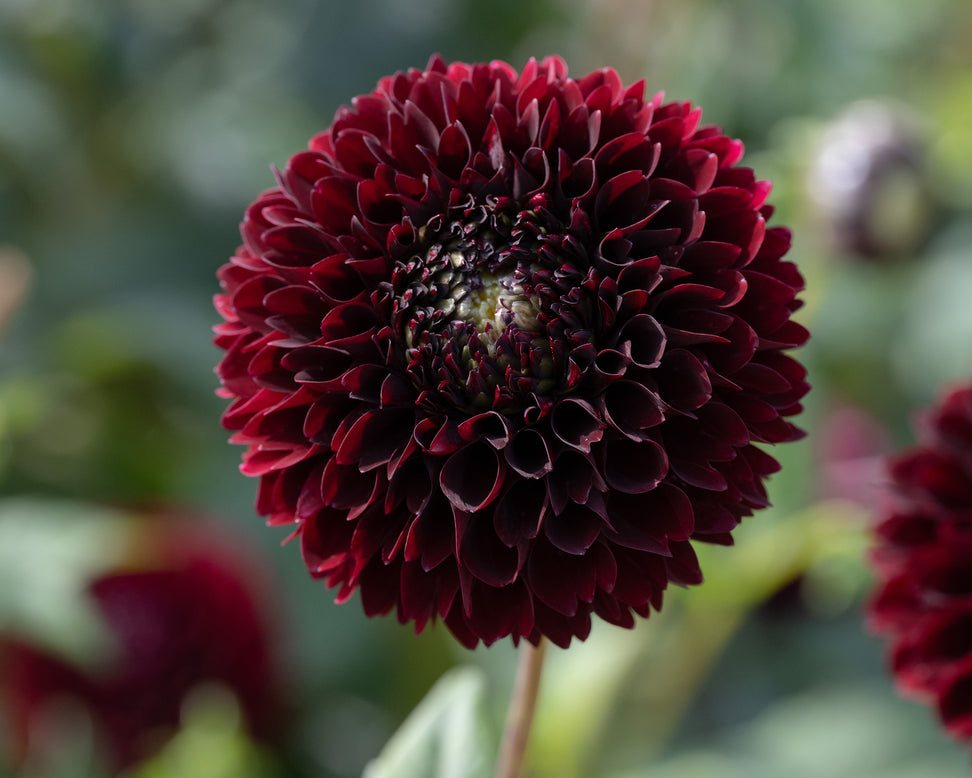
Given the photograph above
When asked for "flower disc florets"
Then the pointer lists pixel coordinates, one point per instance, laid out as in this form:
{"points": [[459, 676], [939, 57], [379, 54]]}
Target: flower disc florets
{"points": [[923, 560], [501, 344], [490, 295]]}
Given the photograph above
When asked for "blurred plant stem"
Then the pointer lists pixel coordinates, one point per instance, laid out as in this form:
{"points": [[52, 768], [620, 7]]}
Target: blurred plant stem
{"points": [[15, 273], [519, 717]]}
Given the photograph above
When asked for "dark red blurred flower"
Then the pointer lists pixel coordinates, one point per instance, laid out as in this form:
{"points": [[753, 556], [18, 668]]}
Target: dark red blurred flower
{"points": [[500, 346], [923, 559], [189, 612]]}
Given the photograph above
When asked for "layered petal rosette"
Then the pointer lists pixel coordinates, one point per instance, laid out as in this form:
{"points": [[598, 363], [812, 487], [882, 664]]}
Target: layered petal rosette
{"points": [[923, 560], [500, 346]]}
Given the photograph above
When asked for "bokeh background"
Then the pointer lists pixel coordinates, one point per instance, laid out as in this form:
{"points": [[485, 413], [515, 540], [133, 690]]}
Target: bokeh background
{"points": [[133, 133]]}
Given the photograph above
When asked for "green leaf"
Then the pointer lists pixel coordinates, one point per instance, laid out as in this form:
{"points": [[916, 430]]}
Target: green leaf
{"points": [[448, 735], [858, 731]]}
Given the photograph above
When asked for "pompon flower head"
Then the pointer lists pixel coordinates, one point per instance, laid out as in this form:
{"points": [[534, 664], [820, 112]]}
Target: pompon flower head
{"points": [[923, 560], [500, 345]]}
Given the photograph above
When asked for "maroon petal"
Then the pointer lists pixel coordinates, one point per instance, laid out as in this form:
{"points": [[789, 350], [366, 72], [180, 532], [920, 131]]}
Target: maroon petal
{"points": [[490, 426], [955, 707], [577, 424], [483, 554], [472, 477], [375, 438], [560, 581], [634, 467], [648, 522], [574, 529], [520, 511], [631, 408], [528, 454], [643, 339], [346, 488], [431, 537], [684, 381]]}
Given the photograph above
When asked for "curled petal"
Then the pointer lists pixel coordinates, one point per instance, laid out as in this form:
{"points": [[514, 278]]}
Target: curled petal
{"points": [[483, 554], [520, 511], [490, 426], [634, 467], [529, 454], [684, 382], [472, 477], [631, 408], [577, 424], [649, 522], [574, 529], [644, 340]]}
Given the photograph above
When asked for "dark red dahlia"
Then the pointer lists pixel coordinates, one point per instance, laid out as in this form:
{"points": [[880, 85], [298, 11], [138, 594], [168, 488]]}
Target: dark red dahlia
{"points": [[500, 346], [183, 615], [923, 560]]}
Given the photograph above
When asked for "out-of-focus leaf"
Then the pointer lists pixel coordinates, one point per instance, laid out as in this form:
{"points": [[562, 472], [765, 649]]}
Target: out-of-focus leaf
{"points": [[447, 735], [933, 347], [952, 147], [856, 732], [578, 691], [771, 552]]}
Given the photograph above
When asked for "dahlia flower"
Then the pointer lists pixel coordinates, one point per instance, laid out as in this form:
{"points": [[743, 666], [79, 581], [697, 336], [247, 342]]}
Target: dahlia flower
{"points": [[188, 613], [500, 346], [923, 561]]}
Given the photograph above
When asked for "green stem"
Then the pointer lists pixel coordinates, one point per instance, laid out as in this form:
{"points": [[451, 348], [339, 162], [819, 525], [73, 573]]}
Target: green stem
{"points": [[519, 717]]}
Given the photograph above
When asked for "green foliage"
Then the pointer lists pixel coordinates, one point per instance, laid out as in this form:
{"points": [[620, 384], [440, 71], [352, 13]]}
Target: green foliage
{"points": [[841, 732], [447, 736]]}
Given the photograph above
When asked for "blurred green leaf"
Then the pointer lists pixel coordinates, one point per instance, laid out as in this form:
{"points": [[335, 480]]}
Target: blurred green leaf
{"points": [[937, 320], [847, 732], [446, 736], [952, 146]]}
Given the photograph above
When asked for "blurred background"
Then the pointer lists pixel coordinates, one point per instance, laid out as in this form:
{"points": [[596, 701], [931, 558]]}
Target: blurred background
{"points": [[133, 133]]}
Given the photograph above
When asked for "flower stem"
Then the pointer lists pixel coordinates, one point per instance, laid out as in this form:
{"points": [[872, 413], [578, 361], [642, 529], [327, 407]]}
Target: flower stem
{"points": [[519, 717]]}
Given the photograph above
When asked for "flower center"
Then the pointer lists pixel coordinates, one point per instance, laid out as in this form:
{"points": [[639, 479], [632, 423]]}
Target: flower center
{"points": [[477, 309], [492, 303]]}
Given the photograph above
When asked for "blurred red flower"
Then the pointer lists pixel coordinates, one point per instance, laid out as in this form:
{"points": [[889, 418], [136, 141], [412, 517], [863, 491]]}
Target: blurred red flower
{"points": [[191, 610], [923, 560]]}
